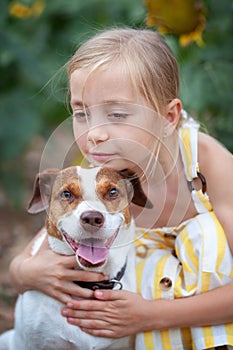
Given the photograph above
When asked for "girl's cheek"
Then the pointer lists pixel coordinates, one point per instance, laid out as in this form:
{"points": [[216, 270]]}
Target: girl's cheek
{"points": [[79, 134], [81, 142], [81, 145]]}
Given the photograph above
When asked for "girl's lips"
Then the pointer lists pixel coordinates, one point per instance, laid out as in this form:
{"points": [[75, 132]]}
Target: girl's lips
{"points": [[102, 157]]}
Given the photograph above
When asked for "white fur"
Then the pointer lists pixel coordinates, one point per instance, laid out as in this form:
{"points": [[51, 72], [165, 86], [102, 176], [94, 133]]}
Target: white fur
{"points": [[38, 321]]}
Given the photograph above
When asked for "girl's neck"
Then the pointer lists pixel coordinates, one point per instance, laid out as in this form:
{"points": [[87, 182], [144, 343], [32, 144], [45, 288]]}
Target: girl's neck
{"points": [[168, 163], [167, 189]]}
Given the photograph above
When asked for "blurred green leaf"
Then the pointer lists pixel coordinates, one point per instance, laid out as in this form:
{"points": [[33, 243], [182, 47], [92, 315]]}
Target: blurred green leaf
{"points": [[33, 84], [206, 73]]}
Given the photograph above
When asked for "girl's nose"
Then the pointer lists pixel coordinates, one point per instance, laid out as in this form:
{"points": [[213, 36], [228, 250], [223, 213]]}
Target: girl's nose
{"points": [[97, 135]]}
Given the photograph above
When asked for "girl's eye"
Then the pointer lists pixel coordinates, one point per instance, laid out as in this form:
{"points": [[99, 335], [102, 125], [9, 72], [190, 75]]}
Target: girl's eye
{"points": [[118, 115], [80, 116], [113, 193], [66, 195]]}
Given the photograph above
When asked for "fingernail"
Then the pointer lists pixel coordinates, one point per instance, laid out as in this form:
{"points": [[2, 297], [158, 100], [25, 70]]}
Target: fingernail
{"points": [[65, 312], [70, 320], [70, 305], [85, 330], [106, 277], [99, 293]]}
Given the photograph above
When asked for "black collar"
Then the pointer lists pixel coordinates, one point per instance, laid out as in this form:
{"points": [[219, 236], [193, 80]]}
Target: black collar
{"points": [[106, 284]]}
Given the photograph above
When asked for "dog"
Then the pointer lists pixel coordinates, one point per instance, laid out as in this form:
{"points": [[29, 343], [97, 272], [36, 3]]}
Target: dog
{"points": [[88, 215]]}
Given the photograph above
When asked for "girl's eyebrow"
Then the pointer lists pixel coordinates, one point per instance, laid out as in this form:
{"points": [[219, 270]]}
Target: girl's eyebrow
{"points": [[118, 101], [76, 103]]}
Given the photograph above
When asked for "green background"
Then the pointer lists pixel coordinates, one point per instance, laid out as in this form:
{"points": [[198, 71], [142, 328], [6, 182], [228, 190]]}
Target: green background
{"points": [[33, 84]]}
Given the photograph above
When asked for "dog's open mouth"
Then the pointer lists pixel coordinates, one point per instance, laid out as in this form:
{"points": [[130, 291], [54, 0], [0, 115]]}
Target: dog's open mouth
{"points": [[91, 251]]}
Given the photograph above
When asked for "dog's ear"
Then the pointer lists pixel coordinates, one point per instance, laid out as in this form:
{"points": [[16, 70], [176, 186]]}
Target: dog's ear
{"points": [[42, 191], [138, 196]]}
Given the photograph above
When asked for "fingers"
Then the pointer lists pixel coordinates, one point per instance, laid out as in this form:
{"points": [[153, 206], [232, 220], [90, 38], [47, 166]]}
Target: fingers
{"points": [[94, 327], [81, 275], [94, 305], [91, 309], [106, 333], [90, 320], [76, 291], [68, 269], [65, 267], [108, 294], [61, 297], [100, 317], [98, 328], [64, 291], [75, 306], [94, 322]]}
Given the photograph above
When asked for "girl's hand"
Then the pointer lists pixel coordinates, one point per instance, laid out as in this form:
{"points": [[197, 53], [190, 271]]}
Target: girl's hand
{"points": [[114, 314], [50, 273]]}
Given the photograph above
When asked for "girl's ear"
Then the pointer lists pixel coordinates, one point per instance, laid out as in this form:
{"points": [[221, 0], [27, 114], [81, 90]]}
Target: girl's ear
{"points": [[172, 114]]}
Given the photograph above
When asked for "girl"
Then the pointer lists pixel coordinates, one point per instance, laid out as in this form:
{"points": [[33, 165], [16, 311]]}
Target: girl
{"points": [[126, 114]]}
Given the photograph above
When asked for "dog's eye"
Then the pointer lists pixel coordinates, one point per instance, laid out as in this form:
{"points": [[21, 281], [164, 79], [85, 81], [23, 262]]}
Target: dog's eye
{"points": [[66, 195], [113, 193]]}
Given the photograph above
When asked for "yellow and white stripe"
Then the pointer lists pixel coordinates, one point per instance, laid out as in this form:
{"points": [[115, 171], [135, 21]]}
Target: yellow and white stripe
{"points": [[188, 135]]}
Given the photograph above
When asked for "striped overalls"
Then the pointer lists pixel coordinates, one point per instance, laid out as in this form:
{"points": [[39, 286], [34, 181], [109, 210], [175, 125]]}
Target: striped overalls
{"points": [[181, 261]]}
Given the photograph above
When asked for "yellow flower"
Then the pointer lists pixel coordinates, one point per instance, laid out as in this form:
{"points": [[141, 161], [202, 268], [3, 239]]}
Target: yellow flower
{"points": [[195, 36], [38, 7], [184, 18], [20, 10]]}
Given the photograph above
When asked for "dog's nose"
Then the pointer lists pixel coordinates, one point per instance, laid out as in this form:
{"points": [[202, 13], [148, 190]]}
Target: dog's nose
{"points": [[92, 220]]}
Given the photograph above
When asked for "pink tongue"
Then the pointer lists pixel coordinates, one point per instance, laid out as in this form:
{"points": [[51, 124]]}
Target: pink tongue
{"points": [[91, 253]]}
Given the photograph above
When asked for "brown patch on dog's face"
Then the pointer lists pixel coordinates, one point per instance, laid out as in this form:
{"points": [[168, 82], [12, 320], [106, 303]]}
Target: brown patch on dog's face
{"points": [[52, 228], [111, 189], [66, 195]]}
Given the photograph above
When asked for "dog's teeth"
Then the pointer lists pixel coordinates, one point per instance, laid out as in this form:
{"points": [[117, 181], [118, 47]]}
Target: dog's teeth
{"points": [[70, 241], [111, 239]]}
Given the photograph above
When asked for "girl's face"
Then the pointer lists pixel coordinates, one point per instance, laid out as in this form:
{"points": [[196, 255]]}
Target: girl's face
{"points": [[113, 123]]}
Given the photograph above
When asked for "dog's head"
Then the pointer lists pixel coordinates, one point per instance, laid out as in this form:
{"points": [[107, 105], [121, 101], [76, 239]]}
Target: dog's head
{"points": [[88, 211]]}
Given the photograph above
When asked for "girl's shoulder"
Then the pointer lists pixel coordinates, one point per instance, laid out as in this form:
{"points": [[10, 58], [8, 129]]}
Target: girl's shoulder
{"points": [[216, 164], [211, 152]]}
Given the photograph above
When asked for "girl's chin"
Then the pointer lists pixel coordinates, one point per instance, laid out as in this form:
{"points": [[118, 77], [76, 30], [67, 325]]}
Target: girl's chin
{"points": [[117, 164], [121, 165]]}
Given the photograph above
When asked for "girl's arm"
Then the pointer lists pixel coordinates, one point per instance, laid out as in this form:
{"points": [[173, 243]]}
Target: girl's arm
{"points": [[50, 273], [216, 164], [21, 281], [121, 313]]}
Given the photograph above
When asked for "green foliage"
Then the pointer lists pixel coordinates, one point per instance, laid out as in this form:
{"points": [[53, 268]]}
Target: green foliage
{"points": [[206, 73], [33, 83], [33, 50]]}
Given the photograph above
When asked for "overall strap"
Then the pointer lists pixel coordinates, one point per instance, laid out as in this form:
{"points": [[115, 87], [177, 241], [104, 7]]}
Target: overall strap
{"points": [[188, 138]]}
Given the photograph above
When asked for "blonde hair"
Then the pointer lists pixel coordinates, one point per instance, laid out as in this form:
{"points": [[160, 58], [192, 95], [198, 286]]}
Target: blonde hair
{"points": [[151, 63]]}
